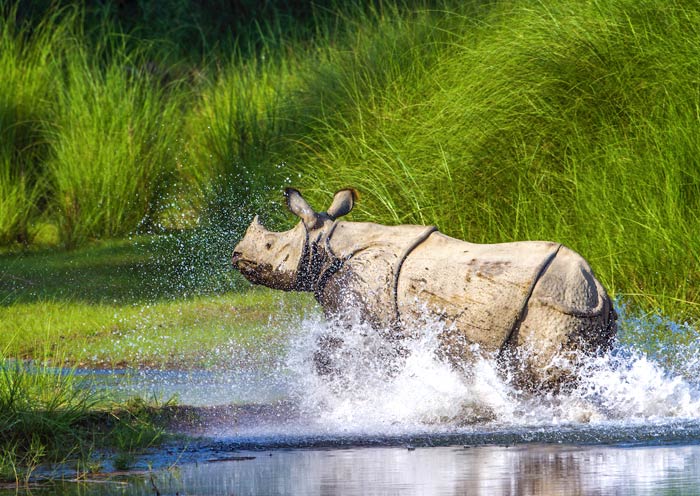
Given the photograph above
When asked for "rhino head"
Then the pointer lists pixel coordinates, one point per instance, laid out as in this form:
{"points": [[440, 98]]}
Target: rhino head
{"points": [[284, 260]]}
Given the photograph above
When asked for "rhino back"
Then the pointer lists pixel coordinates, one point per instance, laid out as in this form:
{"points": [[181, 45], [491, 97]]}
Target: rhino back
{"points": [[480, 290]]}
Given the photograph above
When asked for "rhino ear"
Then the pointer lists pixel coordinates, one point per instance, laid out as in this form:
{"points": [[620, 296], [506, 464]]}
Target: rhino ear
{"points": [[343, 201], [299, 207]]}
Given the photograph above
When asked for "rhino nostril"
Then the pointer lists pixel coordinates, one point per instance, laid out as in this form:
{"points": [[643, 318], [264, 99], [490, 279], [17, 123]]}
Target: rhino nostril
{"points": [[235, 258]]}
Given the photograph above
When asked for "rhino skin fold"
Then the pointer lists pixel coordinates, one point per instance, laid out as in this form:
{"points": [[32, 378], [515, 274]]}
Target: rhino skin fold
{"points": [[528, 303]]}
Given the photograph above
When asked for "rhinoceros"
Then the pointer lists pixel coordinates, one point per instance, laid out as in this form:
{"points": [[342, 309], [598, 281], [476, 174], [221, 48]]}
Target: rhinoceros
{"points": [[527, 303]]}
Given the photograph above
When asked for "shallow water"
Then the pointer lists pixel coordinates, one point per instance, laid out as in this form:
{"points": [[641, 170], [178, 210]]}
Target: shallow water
{"points": [[450, 470], [414, 424], [642, 381]]}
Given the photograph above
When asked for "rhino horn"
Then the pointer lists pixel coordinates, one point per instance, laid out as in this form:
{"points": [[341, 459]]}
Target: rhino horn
{"points": [[257, 223], [343, 201], [299, 207]]}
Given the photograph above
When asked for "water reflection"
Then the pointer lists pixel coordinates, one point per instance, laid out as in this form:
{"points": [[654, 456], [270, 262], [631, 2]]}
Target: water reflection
{"points": [[519, 470]]}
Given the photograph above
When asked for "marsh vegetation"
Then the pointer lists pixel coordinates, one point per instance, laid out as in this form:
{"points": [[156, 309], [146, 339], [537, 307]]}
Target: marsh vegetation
{"points": [[495, 121], [137, 140]]}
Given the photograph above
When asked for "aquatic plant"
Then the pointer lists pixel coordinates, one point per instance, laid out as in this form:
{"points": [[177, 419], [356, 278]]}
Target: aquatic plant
{"points": [[47, 415]]}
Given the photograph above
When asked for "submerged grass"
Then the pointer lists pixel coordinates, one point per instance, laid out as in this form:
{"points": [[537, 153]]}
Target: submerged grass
{"points": [[47, 416]]}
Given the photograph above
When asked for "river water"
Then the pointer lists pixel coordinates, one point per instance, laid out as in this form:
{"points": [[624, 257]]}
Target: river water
{"points": [[451, 470], [415, 424]]}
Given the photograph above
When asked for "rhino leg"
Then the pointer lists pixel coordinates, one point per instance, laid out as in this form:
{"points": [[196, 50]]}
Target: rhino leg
{"points": [[325, 357], [568, 317]]}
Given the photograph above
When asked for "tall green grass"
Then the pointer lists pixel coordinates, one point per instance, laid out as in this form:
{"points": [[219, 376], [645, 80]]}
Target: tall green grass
{"points": [[90, 131], [496, 121], [114, 144], [571, 121], [235, 124], [25, 78], [17, 201]]}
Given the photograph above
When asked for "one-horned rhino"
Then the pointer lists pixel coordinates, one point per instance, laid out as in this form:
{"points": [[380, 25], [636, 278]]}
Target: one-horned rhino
{"points": [[527, 303]]}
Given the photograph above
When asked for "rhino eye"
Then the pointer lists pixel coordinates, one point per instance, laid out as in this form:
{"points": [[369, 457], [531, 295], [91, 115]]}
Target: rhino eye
{"points": [[268, 245]]}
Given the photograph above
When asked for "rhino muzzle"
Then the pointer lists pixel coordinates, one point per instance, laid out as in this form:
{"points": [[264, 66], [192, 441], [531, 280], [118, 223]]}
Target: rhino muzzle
{"points": [[235, 258]]}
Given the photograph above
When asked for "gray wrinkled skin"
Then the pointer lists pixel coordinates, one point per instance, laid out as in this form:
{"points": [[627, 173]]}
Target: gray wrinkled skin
{"points": [[528, 303]]}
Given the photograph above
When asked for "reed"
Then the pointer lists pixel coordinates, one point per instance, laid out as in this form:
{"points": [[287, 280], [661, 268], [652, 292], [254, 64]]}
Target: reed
{"points": [[568, 121], [27, 71], [564, 120]]}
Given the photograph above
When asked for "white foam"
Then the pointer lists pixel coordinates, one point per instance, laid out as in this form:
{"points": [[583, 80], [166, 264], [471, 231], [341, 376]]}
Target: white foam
{"points": [[378, 391]]}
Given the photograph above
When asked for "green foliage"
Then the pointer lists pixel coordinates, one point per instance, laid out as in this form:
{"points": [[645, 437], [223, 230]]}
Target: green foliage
{"points": [[24, 83], [571, 121], [496, 121], [114, 145], [237, 121], [17, 201], [89, 131], [46, 415]]}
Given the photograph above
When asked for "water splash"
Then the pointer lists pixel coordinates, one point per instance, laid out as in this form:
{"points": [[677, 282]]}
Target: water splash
{"points": [[373, 393], [373, 389]]}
